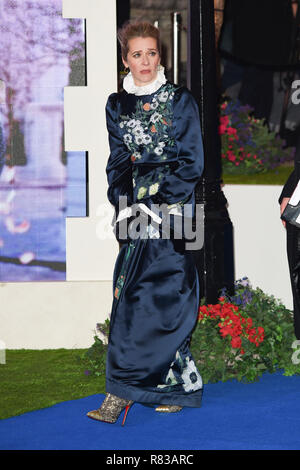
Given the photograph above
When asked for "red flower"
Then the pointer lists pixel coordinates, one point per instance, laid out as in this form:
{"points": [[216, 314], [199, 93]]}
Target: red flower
{"points": [[224, 120], [231, 131], [232, 324], [222, 129], [231, 156], [236, 342]]}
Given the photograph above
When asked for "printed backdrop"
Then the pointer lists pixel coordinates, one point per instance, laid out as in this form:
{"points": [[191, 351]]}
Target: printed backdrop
{"points": [[40, 183]]}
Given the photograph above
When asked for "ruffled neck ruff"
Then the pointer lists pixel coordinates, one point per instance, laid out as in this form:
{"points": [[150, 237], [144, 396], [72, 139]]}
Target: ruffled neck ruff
{"points": [[131, 87]]}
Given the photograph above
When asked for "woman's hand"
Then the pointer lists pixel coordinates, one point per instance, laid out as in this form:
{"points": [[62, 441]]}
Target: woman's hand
{"points": [[283, 205]]}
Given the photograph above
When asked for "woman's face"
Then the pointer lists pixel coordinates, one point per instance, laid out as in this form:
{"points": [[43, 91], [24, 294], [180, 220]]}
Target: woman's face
{"points": [[142, 59]]}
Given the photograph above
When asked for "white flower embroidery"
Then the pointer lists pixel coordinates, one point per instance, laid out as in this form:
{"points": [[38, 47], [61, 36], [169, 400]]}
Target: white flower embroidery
{"points": [[155, 117], [139, 139], [158, 150], [127, 138], [133, 182], [132, 123], [154, 104], [121, 125], [142, 192], [162, 144], [147, 139], [153, 189], [163, 96], [191, 377], [138, 130]]}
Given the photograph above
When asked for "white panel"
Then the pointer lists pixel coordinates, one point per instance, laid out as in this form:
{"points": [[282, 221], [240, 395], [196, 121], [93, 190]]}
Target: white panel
{"points": [[50, 315], [88, 256], [259, 238], [40, 315]]}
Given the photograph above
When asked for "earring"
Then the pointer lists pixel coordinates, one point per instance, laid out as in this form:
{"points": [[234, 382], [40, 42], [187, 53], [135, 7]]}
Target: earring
{"points": [[159, 67]]}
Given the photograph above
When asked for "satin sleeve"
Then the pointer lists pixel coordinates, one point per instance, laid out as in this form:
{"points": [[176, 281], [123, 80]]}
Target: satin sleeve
{"points": [[180, 183], [119, 166]]}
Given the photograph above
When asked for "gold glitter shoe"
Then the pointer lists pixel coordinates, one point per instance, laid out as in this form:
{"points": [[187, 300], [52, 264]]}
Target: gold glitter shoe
{"points": [[111, 409], [168, 408]]}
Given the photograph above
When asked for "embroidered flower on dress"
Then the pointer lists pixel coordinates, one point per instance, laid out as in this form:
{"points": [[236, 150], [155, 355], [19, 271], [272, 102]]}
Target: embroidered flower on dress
{"points": [[139, 139], [142, 192], [153, 189], [155, 117], [147, 139], [138, 130], [158, 150], [154, 104], [191, 377], [132, 123], [127, 138], [163, 96]]}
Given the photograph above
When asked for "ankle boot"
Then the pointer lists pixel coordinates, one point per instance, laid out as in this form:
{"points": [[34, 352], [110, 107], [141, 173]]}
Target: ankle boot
{"points": [[111, 409]]}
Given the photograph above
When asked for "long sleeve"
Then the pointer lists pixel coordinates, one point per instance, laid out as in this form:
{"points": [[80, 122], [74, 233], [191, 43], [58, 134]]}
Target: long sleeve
{"points": [[180, 183], [289, 187], [119, 167]]}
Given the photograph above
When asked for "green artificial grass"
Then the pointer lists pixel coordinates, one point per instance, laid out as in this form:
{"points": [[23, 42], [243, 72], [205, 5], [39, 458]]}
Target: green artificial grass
{"points": [[277, 176], [35, 379]]}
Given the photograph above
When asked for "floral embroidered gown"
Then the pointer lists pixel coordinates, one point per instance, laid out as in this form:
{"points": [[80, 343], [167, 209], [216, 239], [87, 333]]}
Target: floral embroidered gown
{"points": [[156, 157]]}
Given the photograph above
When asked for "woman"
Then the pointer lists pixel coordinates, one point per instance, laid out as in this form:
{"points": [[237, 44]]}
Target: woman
{"points": [[156, 157], [293, 239]]}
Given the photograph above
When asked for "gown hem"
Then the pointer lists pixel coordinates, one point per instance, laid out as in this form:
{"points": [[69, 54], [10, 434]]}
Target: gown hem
{"points": [[129, 392]]}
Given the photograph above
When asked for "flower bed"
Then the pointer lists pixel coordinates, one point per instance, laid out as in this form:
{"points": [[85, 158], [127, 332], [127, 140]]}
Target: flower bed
{"points": [[243, 336], [248, 147], [240, 338]]}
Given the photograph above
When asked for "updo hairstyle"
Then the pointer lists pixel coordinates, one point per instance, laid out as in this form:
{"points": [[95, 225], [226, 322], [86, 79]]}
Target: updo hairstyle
{"points": [[137, 29]]}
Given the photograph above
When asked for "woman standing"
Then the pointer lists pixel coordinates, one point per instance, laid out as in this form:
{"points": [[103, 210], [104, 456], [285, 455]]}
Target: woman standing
{"points": [[293, 239], [156, 158]]}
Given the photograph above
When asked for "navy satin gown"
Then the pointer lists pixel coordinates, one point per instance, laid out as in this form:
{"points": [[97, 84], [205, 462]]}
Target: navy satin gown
{"points": [[156, 157]]}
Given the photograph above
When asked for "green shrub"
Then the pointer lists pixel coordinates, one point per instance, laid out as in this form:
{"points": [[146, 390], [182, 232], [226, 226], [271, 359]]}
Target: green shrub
{"points": [[248, 147], [240, 338]]}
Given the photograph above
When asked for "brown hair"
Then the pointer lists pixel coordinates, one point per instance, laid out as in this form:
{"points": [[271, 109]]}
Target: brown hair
{"points": [[137, 29]]}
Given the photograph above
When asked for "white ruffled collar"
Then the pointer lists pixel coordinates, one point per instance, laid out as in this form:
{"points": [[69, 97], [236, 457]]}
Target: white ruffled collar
{"points": [[131, 87]]}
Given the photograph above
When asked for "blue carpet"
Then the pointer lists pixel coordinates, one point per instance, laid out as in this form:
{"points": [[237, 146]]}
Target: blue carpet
{"points": [[264, 415]]}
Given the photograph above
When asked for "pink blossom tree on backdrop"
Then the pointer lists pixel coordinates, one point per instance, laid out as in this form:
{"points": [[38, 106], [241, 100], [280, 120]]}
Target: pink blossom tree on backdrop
{"points": [[33, 37]]}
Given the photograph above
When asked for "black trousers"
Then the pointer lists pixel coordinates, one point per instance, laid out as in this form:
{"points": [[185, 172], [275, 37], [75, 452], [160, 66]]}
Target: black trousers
{"points": [[293, 252]]}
